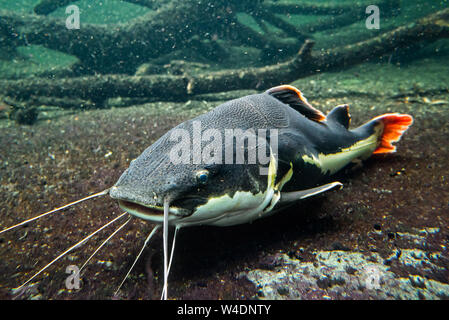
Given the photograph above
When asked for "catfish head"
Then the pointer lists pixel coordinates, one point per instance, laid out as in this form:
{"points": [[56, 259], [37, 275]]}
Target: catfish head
{"points": [[199, 185]]}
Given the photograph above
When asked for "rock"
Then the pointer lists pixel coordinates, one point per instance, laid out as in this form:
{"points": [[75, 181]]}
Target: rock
{"points": [[24, 115], [348, 275]]}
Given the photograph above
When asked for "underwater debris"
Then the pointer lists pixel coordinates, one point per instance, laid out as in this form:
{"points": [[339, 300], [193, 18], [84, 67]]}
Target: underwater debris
{"points": [[23, 114]]}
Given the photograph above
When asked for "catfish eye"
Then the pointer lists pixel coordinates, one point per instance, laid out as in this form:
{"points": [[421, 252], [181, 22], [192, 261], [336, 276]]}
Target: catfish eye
{"points": [[202, 176]]}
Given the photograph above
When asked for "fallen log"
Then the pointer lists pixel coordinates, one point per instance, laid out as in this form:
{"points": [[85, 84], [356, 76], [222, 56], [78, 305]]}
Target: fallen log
{"points": [[183, 87], [45, 7], [121, 48]]}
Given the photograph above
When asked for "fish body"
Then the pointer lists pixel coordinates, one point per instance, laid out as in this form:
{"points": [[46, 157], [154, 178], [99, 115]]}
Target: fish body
{"points": [[303, 148], [244, 160]]}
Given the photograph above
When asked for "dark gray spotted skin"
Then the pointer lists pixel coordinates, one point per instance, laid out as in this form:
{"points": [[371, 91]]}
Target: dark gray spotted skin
{"points": [[152, 177]]}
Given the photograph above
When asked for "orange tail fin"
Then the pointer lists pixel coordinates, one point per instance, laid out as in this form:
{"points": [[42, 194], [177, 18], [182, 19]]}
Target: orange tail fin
{"points": [[395, 125]]}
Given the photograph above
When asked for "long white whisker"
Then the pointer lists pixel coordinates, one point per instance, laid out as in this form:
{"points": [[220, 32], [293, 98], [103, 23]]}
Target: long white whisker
{"points": [[165, 240], [173, 247], [138, 256], [104, 242], [171, 255], [102, 193], [70, 249]]}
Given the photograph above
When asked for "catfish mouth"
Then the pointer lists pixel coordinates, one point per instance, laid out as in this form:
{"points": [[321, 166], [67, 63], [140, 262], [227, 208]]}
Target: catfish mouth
{"points": [[133, 207], [153, 212]]}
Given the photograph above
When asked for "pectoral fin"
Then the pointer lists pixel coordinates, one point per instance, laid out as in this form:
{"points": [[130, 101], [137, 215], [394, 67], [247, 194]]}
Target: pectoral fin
{"points": [[298, 195]]}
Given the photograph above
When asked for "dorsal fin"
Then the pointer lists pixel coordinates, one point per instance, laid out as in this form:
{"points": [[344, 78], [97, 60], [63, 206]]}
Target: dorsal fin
{"points": [[294, 98], [341, 115]]}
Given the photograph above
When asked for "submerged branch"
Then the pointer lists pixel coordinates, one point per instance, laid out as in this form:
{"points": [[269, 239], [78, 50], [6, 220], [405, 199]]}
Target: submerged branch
{"points": [[120, 48], [182, 87]]}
